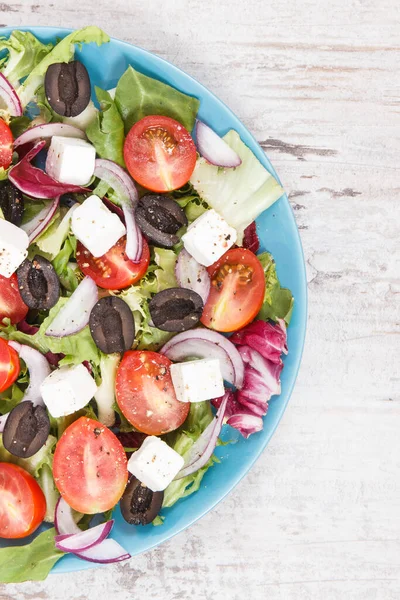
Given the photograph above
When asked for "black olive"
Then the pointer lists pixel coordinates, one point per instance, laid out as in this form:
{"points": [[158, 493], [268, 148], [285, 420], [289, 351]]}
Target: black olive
{"points": [[67, 88], [26, 430], [176, 309], [160, 217], [38, 283], [111, 325], [11, 203], [139, 505]]}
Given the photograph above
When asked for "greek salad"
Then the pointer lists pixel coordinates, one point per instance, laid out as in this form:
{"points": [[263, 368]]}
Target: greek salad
{"points": [[137, 315]]}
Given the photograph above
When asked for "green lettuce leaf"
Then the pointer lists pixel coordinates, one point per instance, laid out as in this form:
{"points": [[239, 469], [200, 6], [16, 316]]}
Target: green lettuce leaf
{"points": [[77, 348], [106, 132], [241, 194], [19, 125], [51, 240], [32, 562], [181, 441], [62, 52], [25, 52], [4, 173], [278, 302], [68, 272], [139, 96]]}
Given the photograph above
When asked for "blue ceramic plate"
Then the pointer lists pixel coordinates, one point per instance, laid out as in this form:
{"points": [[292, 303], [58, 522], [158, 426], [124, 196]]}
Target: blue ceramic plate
{"points": [[278, 234]]}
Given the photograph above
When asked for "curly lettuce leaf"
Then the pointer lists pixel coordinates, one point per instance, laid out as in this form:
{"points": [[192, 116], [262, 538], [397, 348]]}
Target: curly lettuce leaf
{"points": [[278, 302], [139, 96], [106, 131], [241, 194], [24, 53], [32, 562], [62, 52], [67, 271]]}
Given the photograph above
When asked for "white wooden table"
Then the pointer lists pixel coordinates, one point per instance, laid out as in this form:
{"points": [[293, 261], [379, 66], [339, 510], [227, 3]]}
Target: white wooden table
{"points": [[318, 84]]}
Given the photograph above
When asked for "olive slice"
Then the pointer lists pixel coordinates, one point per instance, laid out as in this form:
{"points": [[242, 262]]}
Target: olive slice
{"points": [[111, 325], [38, 283], [139, 505], [67, 88], [26, 430], [176, 309], [11, 203], [159, 218]]}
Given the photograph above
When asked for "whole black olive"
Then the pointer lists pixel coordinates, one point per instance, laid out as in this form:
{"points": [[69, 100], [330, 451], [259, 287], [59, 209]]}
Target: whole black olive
{"points": [[111, 325], [160, 217], [38, 283], [11, 203], [67, 88], [139, 505], [176, 309], [26, 430]]}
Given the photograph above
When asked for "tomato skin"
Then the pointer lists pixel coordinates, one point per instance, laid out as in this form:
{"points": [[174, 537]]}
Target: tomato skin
{"points": [[6, 145], [9, 365], [159, 153], [11, 304], [90, 467], [113, 270], [21, 490], [237, 291], [146, 395]]}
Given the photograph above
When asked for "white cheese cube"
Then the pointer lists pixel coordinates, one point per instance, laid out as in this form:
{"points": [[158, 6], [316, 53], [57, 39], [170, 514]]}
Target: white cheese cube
{"points": [[83, 120], [67, 390], [155, 464], [14, 244], [96, 227], [208, 238], [70, 160], [197, 380]]}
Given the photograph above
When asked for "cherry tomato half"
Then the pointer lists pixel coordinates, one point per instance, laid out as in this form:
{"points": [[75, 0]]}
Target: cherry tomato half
{"points": [[9, 365], [237, 291], [160, 153], [113, 270], [11, 303], [146, 395], [6, 145], [22, 502], [90, 467]]}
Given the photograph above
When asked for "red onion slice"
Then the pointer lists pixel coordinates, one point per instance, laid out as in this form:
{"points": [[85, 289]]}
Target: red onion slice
{"points": [[10, 97], [78, 542], [216, 338], [63, 519], [198, 348], [36, 183], [38, 368], [47, 131], [125, 189], [75, 313], [192, 275], [214, 149], [109, 551], [38, 224], [203, 448]]}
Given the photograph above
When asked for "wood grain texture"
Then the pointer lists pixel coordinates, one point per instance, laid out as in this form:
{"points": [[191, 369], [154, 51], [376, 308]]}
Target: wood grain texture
{"points": [[317, 82]]}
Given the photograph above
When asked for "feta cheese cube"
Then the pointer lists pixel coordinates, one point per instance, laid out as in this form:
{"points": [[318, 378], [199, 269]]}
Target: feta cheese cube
{"points": [[208, 238], [14, 244], [67, 390], [96, 227], [155, 464], [70, 160], [197, 380], [84, 119]]}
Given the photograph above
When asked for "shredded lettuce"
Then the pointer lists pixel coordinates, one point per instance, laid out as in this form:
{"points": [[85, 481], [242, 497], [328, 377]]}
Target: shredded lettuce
{"points": [[67, 271], [240, 194], [139, 96], [55, 235], [106, 131], [25, 52], [105, 395], [62, 52], [278, 302]]}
